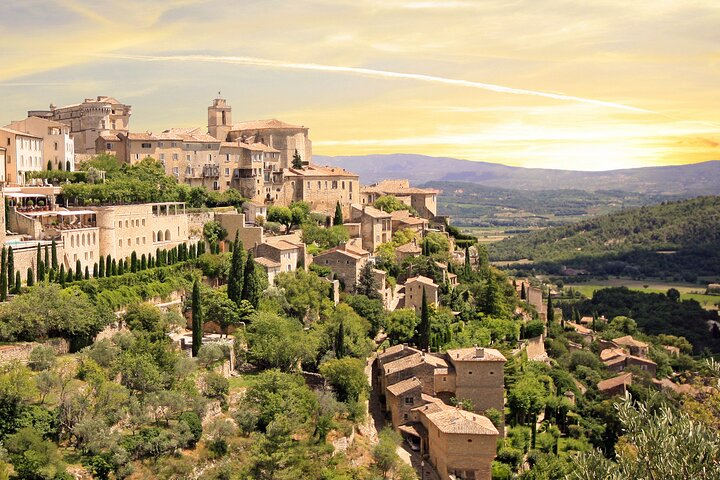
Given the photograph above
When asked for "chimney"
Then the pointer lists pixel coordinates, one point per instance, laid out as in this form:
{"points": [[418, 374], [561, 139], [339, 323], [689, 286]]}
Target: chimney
{"points": [[479, 352]]}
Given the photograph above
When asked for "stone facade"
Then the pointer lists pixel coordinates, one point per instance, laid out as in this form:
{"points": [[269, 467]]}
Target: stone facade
{"points": [[234, 223], [414, 288], [286, 250], [375, 225], [89, 120], [422, 200], [346, 263], [141, 228], [459, 444]]}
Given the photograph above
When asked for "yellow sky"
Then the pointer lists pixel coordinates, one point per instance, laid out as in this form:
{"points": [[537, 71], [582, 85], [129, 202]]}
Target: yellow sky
{"points": [[557, 84]]}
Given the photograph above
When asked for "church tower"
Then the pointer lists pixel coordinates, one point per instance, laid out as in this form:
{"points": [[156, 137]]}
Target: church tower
{"points": [[219, 119]]}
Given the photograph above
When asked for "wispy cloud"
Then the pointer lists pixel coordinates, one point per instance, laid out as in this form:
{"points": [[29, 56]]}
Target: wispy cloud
{"points": [[369, 72]]}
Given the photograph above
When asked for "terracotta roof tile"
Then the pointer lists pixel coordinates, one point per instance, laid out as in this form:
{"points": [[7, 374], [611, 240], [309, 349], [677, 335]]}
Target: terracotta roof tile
{"points": [[470, 354], [404, 386], [624, 379], [454, 420]]}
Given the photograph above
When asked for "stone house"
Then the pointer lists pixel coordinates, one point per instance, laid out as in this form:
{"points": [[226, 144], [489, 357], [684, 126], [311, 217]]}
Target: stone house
{"points": [[624, 362], [636, 347], [616, 385], [422, 200], [414, 288], [458, 444], [402, 219], [408, 250], [346, 262], [58, 145], [375, 225], [271, 267], [286, 250]]}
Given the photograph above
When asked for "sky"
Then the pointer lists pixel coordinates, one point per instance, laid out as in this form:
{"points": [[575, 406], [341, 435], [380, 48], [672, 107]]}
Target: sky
{"points": [[534, 83]]}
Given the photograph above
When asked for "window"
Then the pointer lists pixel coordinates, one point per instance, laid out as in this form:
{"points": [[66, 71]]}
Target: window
{"points": [[145, 145], [176, 171], [56, 146], [334, 184], [227, 172], [120, 243], [108, 146], [409, 400], [187, 157], [160, 144], [175, 156]]}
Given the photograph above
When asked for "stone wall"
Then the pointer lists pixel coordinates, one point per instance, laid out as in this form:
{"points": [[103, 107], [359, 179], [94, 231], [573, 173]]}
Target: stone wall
{"points": [[20, 352]]}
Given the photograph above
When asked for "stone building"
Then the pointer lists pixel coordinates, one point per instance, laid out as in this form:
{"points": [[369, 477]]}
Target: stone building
{"points": [[375, 225], [283, 137], [414, 288], [414, 385], [23, 153], [140, 228], [346, 262], [58, 145], [89, 120], [286, 250], [422, 200]]}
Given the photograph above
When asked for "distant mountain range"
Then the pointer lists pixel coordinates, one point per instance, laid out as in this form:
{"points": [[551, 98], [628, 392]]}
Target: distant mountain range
{"points": [[677, 180]]}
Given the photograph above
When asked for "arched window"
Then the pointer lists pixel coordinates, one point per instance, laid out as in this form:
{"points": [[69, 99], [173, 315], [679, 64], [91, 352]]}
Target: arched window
{"points": [[72, 240], [167, 235]]}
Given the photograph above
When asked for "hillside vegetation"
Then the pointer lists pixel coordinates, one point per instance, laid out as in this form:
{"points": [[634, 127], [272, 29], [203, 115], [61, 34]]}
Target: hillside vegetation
{"points": [[470, 204], [679, 240]]}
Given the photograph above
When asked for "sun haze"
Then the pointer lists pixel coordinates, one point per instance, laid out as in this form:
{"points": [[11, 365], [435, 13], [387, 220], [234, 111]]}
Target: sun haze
{"points": [[548, 84]]}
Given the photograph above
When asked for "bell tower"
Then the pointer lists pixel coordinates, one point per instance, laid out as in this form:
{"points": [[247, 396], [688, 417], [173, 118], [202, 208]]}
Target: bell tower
{"points": [[219, 119]]}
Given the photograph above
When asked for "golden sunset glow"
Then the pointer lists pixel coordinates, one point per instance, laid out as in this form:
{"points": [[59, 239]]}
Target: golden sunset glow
{"points": [[594, 86]]}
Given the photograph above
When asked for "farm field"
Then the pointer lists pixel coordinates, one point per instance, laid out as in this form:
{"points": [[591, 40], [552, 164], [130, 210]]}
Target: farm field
{"points": [[687, 291]]}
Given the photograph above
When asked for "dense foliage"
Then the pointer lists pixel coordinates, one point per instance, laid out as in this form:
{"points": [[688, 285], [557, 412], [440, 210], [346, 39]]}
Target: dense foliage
{"points": [[672, 240]]}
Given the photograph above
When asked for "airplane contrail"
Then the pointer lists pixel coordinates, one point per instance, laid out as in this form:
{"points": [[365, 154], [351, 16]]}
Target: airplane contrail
{"points": [[369, 72]]}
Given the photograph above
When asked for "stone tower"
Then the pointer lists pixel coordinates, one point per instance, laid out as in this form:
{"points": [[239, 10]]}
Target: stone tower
{"points": [[219, 119]]}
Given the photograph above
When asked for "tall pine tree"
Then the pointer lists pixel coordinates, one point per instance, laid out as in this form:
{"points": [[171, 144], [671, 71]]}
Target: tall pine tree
{"points": [[3, 276], [39, 267], [18, 282], [78, 270], [30, 277], [11, 268], [468, 267], [54, 255], [296, 160], [338, 219], [340, 340], [197, 320], [251, 289], [236, 278], [101, 267]]}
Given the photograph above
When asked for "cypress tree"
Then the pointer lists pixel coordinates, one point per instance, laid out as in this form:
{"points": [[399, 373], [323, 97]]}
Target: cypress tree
{"points": [[114, 267], [523, 293], [38, 264], [193, 251], [151, 261], [18, 282], [54, 255], [236, 277], [550, 310], [47, 258], [108, 266], [61, 276], [143, 262], [95, 270], [297, 160], [201, 247], [101, 267], [51, 275], [78, 270], [3, 276], [121, 267], [69, 277], [87, 272], [467, 262], [133, 262], [340, 340], [197, 320], [250, 291], [30, 277], [338, 219], [11, 268], [423, 332]]}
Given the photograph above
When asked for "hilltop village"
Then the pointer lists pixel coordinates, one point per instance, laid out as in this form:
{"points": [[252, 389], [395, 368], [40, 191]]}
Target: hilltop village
{"points": [[207, 302]]}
